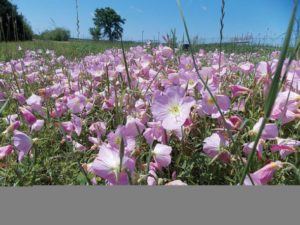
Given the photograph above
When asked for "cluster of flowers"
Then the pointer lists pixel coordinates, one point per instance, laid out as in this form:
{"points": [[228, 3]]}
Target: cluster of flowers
{"points": [[159, 96]]}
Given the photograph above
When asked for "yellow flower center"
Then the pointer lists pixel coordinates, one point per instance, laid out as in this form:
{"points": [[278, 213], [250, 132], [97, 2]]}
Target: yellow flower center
{"points": [[118, 141], [210, 101], [191, 82], [188, 66], [174, 109], [274, 165], [77, 102]]}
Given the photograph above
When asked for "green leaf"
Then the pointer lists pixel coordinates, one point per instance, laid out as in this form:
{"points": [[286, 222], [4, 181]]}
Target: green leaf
{"points": [[4, 106]]}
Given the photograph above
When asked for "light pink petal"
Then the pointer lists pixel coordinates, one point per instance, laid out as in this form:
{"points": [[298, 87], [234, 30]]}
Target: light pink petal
{"points": [[38, 125], [22, 142], [176, 183]]}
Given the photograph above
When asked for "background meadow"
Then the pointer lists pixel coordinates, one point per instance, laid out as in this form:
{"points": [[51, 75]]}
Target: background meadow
{"points": [[169, 110]]}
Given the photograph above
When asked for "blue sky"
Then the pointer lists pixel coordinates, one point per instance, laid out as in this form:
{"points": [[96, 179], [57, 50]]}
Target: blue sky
{"points": [[157, 17]]}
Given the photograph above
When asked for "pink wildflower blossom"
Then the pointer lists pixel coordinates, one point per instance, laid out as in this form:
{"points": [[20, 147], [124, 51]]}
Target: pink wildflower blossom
{"points": [[172, 108]]}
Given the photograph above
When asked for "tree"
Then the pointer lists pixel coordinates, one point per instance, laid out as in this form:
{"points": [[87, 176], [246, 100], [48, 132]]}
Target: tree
{"points": [[13, 26], [96, 33], [108, 23]]}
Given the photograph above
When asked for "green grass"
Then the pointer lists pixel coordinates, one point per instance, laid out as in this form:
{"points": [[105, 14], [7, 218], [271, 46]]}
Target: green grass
{"points": [[238, 48], [70, 49], [77, 49]]}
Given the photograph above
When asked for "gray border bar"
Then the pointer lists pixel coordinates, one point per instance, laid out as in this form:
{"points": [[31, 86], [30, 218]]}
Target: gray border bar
{"points": [[147, 205]]}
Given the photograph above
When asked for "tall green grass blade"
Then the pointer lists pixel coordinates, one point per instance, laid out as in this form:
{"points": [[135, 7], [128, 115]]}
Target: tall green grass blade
{"points": [[107, 79], [154, 78], [4, 106], [126, 65], [121, 155], [117, 116], [275, 86]]}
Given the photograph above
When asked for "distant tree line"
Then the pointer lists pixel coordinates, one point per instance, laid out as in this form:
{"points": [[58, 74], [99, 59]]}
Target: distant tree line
{"points": [[13, 26]]}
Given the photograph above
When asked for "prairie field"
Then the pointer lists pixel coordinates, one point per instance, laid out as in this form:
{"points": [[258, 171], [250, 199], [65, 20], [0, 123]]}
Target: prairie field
{"points": [[108, 112], [70, 109]]}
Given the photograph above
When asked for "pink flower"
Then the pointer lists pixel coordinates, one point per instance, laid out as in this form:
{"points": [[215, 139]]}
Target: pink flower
{"points": [[152, 178], [270, 130], [27, 115], [247, 148], [209, 107], [285, 147], [165, 52], [239, 106], [133, 127], [263, 71], [213, 146], [20, 98], [78, 146], [173, 108], [68, 127], [34, 100], [162, 155], [5, 151], [238, 90], [246, 67], [13, 126], [107, 166], [155, 131], [95, 141], [38, 125], [234, 122], [115, 138], [186, 63], [176, 183], [23, 144], [188, 79], [264, 175], [286, 107], [77, 103], [98, 128], [59, 110], [76, 121]]}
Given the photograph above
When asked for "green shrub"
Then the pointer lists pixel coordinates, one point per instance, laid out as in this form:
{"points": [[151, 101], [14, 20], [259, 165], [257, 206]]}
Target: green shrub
{"points": [[58, 34]]}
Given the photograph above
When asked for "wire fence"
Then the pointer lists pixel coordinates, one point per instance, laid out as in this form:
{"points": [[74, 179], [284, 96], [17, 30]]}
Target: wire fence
{"points": [[244, 39]]}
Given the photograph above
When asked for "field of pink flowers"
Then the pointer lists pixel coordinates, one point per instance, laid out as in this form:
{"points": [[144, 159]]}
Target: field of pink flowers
{"points": [[152, 119]]}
